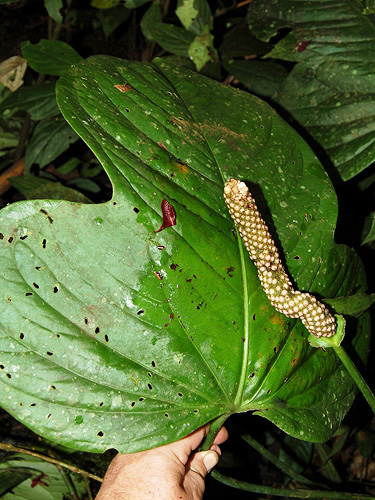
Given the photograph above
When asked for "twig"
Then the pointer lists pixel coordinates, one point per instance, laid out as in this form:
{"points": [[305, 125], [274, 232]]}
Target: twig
{"points": [[72, 468], [14, 170]]}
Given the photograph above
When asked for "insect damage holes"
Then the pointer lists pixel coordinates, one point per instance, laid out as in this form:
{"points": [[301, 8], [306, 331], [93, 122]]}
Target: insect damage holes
{"points": [[263, 252]]}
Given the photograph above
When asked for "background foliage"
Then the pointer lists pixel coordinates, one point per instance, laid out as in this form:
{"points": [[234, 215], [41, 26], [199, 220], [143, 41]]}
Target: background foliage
{"points": [[313, 63]]}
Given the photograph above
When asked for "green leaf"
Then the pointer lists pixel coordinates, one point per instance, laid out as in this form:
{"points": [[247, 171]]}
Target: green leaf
{"points": [[9, 478], [42, 480], [368, 233], [53, 8], [50, 138], [262, 78], [50, 57], [202, 50], [39, 101], [38, 188], [355, 305], [331, 89], [111, 19], [171, 38], [186, 12], [104, 4], [69, 166], [117, 336], [295, 453], [194, 15], [134, 4], [239, 42]]}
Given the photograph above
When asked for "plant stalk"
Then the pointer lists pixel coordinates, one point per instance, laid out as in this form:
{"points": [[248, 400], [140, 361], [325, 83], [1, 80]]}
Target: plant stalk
{"points": [[356, 376], [283, 492], [215, 426], [278, 463]]}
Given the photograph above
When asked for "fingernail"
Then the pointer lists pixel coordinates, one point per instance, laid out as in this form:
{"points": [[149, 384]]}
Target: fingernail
{"points": [[210, 460]]}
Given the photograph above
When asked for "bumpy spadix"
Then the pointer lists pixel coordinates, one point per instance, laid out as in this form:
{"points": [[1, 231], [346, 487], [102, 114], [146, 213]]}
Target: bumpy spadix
{"points": [[263, 252]]}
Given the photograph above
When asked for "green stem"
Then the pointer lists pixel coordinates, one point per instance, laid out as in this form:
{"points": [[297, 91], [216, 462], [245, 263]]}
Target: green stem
{"points": [[283, 492], [281, 465], [328, 469], [215, 426], [356, 376]]}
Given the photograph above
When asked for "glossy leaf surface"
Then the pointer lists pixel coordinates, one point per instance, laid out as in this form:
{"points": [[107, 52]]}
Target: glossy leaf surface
{"points": [[114, 335], [330, 91]]}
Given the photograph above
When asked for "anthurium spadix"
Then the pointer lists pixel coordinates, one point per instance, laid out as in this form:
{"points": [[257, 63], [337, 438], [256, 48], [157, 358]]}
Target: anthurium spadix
{"points": [[125, 327]]}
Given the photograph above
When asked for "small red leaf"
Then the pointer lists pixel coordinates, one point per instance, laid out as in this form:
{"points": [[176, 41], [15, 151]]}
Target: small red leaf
{"points": [[301, 46], [38, 480], [169, 215]]}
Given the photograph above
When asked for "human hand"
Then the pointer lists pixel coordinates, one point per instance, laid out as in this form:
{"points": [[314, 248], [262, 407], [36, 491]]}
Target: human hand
{"points": [[169, 472]]}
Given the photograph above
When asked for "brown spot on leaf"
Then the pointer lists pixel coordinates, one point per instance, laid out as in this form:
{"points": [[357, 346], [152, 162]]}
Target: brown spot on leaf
{"points": [[123, 88]]}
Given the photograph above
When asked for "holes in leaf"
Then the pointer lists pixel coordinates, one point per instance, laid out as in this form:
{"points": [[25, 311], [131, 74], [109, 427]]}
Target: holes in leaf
{"points": [[254, 317], [180, 394], [149, 374], [153, 364], [44, 243], [38, 268], [100, 434], [55, 289], [101, 404], [269, 390], [127, 110], [21, 403], [22, 336], [49, 415], [35, 285], [1, 236], [10, 239], [53, 387], [44, 212], [28, 294], [49, 353], [297, 257], [141, 399], [114, 203], [97, 330], [9, 375], [141, 311], [132, 404], [136, 210], [150, 387], [106, 338], [86, 320], [23, 237], [196, 411], [33, 404], [2, 367], [58, 335], [251, 375], [166, 415]]}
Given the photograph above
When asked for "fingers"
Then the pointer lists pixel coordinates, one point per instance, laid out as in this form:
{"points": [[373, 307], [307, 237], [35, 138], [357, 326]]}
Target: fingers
{"points": [[221, 436], [200, 464]]}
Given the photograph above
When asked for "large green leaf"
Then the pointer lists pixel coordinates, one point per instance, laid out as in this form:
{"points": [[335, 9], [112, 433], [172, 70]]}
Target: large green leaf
{"points": [[331, 89], [114, 335]]}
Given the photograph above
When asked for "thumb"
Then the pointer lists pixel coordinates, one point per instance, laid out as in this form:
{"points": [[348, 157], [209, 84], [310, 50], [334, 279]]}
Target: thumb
{"points": [[198, 467]]}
